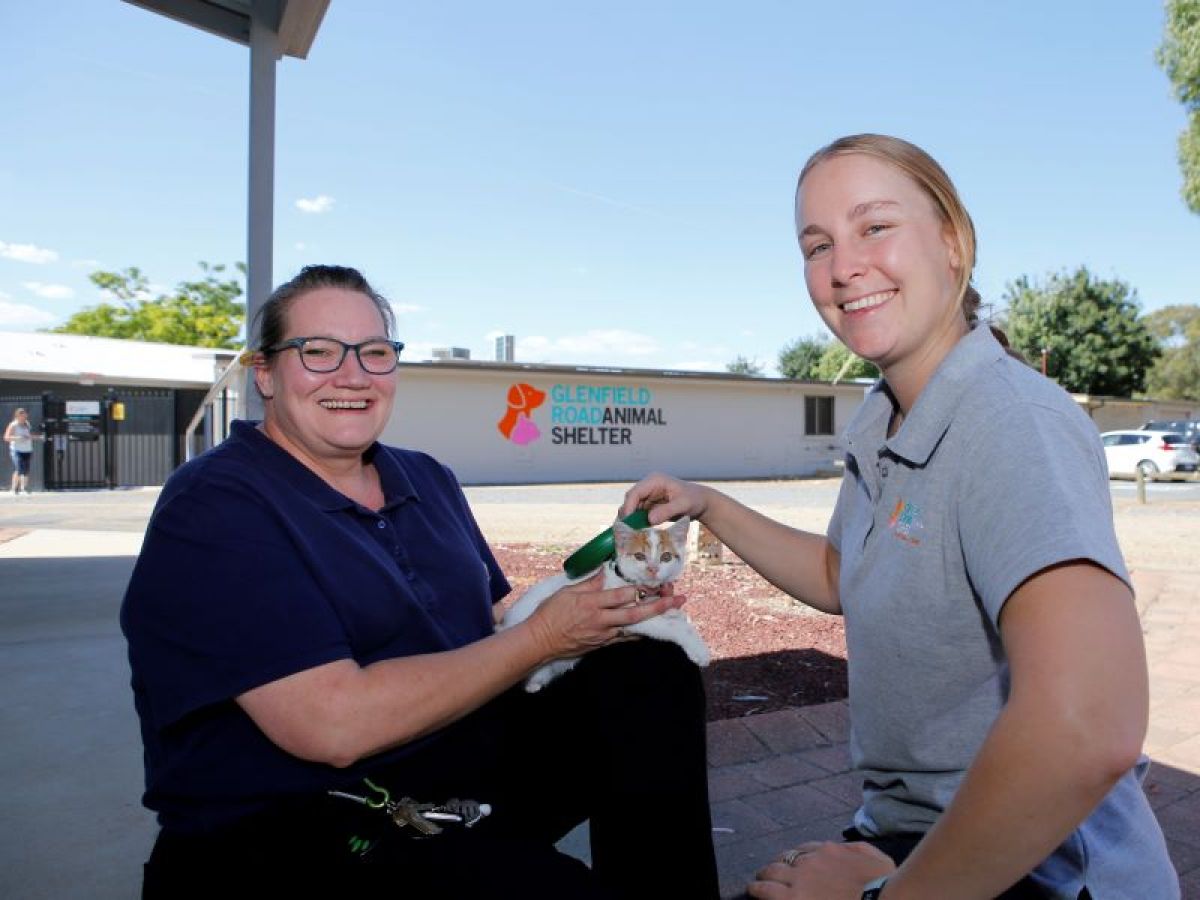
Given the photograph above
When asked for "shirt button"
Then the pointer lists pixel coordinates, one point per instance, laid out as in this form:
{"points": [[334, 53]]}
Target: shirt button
{"points": [[381, 524]]}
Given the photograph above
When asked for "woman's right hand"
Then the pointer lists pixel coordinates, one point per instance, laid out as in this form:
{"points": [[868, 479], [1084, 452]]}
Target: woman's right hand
{"points": [[666, 498], [583, 616]]}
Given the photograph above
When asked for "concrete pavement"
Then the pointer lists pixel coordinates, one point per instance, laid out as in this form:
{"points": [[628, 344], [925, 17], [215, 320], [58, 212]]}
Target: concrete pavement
{"points": [[70, 787]]}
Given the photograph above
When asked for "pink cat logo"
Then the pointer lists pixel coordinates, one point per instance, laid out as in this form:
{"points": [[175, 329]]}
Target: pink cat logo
{"points": [[517, 426]]}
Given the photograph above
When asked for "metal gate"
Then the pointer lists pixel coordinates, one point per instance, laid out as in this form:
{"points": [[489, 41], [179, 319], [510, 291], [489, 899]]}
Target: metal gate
{"points": [[122, 439], [78, 447]]}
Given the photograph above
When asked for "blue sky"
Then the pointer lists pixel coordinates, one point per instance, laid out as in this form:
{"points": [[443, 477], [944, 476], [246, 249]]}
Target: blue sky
{"points": [[610, 183]]}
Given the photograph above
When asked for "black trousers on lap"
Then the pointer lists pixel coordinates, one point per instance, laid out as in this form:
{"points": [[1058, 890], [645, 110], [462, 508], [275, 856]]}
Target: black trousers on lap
{"points": [[619, 741]]}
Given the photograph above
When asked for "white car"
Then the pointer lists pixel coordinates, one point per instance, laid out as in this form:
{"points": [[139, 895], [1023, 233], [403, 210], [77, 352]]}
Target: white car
{"points": [[1152, 453]]}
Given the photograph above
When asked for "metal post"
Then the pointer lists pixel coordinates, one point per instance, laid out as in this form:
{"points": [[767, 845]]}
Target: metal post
{"points": [[264, 53], [1140, 478], [109, 436]]}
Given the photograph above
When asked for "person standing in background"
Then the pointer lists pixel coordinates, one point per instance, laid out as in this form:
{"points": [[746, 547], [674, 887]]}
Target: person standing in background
{"points": [[20, 437]]}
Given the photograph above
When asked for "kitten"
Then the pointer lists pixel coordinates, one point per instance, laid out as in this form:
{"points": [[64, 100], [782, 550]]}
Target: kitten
{"points": [[647, 558]]}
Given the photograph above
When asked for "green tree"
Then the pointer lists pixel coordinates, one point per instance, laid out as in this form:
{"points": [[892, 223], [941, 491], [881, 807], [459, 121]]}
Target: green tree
{"points": [[1096, 341], [837, 362], [743, 366], [1175, 325], [205, 312], [799, 358], [1179, 56], [1176, 375]]}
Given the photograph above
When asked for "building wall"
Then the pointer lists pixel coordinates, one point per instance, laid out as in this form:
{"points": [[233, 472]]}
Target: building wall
{"points": [[693, 427], [1117, 413]]}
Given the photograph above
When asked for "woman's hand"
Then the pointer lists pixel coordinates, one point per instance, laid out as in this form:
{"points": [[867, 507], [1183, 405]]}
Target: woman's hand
{"points": [[582, 617], [666, 498], [821, 871]]}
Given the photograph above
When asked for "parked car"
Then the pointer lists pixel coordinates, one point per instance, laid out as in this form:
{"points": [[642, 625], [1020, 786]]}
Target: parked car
{"points": [[1189, 428], [1152, 453]]}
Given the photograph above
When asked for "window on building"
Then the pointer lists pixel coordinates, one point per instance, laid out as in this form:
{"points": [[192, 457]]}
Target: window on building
{"points": [[818, 415]]}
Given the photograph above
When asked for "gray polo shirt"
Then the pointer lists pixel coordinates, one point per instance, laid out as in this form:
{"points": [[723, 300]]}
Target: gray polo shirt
{"points": [[994, 475]]}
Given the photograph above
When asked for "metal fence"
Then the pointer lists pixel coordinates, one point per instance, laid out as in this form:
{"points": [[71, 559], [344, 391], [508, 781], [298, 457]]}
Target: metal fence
{"points": [[126, 437]]}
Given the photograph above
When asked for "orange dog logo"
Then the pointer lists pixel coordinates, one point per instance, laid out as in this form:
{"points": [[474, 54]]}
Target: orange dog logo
{"points": [[517, 425]]}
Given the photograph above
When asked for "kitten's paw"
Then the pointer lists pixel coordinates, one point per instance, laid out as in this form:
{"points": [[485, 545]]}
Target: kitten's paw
{"points": [[537, 681], [540, 678]]}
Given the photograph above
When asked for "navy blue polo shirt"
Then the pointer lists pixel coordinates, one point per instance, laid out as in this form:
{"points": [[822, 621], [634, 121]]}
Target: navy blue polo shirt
{"points": [[253, 568]]}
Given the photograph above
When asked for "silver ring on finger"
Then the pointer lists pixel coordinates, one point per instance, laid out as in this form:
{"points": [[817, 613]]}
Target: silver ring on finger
{"points": [[789, 858]]}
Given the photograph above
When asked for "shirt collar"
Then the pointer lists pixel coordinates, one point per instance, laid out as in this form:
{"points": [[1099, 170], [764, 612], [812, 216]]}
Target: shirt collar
{"points": [[931, 415], [867, 430], [397, 487]]}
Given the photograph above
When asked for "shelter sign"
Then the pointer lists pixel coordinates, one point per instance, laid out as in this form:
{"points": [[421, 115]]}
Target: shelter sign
{"points": [[579, 414], [82, 420]]}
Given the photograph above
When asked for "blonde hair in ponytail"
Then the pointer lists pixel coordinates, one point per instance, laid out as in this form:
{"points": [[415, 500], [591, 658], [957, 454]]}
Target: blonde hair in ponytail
{"points": [[925, 172]]}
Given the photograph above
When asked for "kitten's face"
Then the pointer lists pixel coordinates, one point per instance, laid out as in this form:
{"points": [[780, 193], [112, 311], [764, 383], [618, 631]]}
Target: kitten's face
{"points": [[650, 556]]}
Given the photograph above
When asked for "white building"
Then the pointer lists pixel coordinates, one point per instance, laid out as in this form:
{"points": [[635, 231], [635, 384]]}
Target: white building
{"points": [[514, 423], [492, 422]]}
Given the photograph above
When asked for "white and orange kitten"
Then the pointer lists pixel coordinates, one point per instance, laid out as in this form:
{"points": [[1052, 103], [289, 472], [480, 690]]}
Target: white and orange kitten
{"points": [[647, 558]]}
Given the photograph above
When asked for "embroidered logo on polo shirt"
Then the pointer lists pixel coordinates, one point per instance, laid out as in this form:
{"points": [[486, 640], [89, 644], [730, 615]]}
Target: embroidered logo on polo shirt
{"points": [[906, 522]]}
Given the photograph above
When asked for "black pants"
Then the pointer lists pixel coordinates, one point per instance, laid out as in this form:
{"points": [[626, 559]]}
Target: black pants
{"points": [[899, 846], [619, 741]]}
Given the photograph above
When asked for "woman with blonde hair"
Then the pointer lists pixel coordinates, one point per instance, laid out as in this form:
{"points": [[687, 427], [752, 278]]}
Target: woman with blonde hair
{"points": [[19, 436], [998, 685]]}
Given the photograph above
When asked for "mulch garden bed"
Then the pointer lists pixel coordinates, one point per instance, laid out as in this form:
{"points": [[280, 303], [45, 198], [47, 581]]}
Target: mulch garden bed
{"points": [[769, 651]]}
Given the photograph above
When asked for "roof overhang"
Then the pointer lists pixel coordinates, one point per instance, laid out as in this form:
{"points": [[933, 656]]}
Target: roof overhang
{"points": [[298, 23]]}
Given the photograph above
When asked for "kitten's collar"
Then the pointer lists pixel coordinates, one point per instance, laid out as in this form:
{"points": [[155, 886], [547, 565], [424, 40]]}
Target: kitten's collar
{"points": [[642, 590], [616, 567]]}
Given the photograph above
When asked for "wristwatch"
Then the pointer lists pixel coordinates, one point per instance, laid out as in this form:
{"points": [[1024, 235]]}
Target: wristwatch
{"points": [[873, 889]]}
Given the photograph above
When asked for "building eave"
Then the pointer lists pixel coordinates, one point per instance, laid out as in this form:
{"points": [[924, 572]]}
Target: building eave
{"points": [[621, 372], [299, 21]]}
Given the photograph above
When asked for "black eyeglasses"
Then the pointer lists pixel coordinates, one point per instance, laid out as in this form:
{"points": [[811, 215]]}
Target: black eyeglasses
{"points": [[323, 355]]}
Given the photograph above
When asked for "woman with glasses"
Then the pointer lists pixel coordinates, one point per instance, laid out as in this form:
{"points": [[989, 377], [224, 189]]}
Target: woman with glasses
{"points": [[323, 697]]}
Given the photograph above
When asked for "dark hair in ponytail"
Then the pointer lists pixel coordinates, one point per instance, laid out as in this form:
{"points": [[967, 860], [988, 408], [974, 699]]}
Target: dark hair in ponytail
{"points": [[270, 323]]}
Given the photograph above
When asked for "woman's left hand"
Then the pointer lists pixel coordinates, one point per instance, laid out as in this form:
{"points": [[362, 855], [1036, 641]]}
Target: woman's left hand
{"points": [[822, 870]]}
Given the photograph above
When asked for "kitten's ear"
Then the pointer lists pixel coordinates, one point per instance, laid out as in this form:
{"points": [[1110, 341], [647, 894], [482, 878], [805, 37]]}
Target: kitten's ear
{"points": [[622, 533], [679, 530]]}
